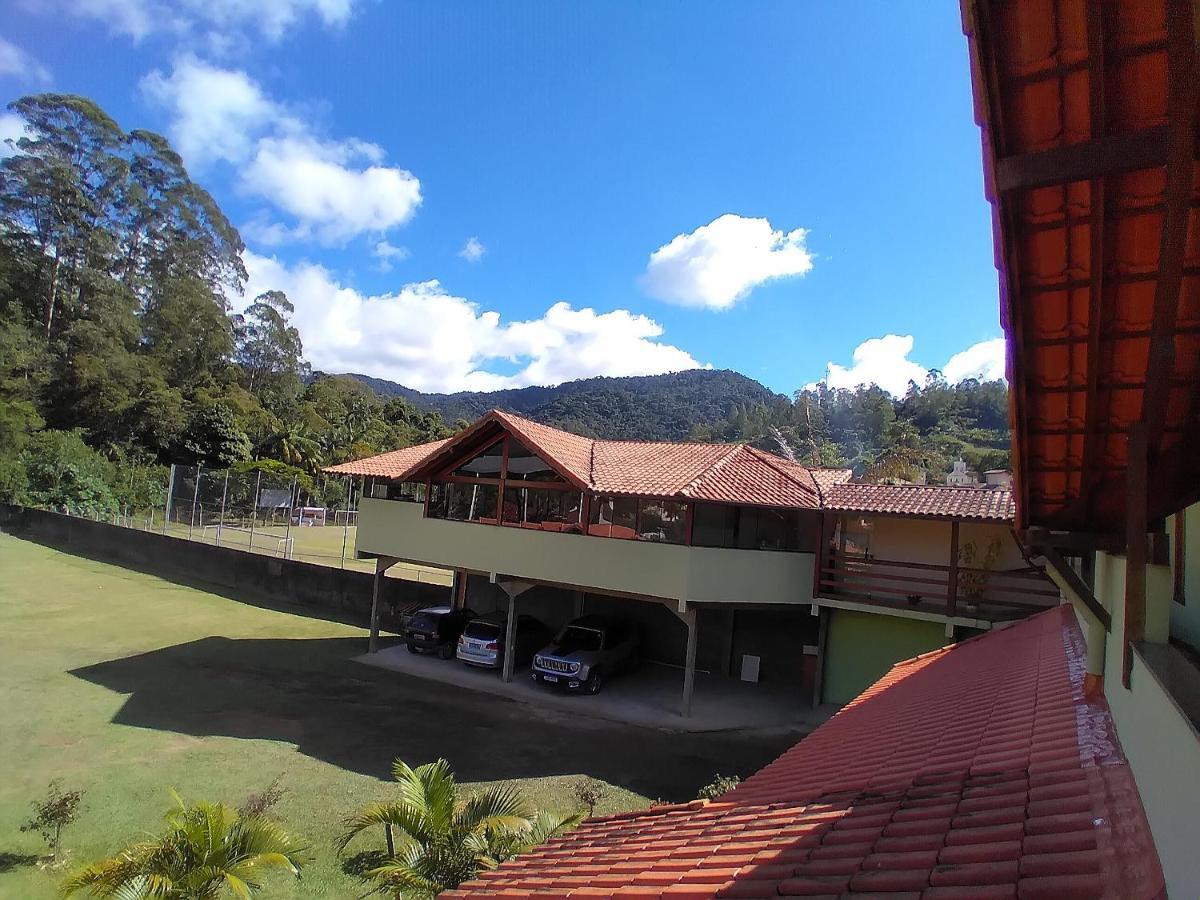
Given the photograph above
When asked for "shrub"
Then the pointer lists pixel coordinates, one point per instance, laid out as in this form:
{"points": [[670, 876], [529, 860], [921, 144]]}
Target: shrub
{"points": [[721, 784], [52, 814]]}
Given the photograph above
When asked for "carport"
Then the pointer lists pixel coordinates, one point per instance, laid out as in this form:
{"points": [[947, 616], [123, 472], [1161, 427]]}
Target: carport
{"points": [[710, 648]]}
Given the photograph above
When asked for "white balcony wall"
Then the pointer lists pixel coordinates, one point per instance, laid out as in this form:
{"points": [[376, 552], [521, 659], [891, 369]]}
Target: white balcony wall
{"points": [[697, 574]]}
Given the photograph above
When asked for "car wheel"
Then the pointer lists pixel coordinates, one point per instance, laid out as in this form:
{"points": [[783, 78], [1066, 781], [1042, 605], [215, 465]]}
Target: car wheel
{"points": [[594, 683], [412, 648], [445, 651]]}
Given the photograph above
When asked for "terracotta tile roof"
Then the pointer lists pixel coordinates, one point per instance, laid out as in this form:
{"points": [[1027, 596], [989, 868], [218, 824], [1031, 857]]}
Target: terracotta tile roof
{"points": [[924, 500], [388, 465], [975, 771], [733, 473]]}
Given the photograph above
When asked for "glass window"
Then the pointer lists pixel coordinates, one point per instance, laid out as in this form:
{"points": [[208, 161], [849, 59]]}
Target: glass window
{"points": [[777, 529], [525, 465], [574, 638], [547, 508], [438, 496], [484, 465], [663, 520], [413, 491], [714, 525], [614, 517], [471, 502]]}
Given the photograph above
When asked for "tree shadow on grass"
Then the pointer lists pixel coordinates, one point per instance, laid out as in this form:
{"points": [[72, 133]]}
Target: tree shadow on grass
{"points": [[309, 693], [10, 861]]}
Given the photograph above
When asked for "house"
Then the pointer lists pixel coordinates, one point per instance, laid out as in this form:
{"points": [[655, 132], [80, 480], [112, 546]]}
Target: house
{"points": [[731, 559], [1088, 117], [960, 475]]}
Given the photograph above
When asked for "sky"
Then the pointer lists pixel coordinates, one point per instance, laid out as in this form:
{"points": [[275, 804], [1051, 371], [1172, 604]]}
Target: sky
{"points": [[473, 195]]}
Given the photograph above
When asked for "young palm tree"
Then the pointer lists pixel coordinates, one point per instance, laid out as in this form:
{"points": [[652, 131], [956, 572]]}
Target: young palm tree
{"points": [[437, 839], [207, 851]]}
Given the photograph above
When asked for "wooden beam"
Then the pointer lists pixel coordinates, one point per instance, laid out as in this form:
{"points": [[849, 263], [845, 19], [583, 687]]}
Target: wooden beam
{"points": [[1077, 584], [1183, 91], [1084, 541], [1096, 158], [1096, 306], [1135, 556]]}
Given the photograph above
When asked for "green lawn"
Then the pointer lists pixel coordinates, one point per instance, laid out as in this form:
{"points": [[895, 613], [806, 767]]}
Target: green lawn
{"points": [[167, 713], [127, 685]]}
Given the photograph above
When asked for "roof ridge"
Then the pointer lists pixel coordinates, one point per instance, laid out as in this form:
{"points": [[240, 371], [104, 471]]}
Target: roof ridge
{"points": [[763, 456], [705, 473]]}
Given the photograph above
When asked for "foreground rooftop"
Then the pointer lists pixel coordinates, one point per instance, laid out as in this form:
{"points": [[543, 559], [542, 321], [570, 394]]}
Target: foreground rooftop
{"points": [[975, 771]]}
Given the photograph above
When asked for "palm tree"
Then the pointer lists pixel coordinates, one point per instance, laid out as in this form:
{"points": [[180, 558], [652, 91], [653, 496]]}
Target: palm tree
{"points": [[207, 851], [438, 839], [294, 445]]}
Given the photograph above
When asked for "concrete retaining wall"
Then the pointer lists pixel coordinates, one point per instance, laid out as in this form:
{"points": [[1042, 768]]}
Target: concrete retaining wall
{"points": [[267, 580]]}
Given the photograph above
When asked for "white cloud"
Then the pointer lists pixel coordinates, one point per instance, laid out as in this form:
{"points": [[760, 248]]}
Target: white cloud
{"points": [[12, 128], [332, 190], [216, 114], [318, 184], [426, 338], [718, 264], [221, 22], [16, 62], [472, 250], [388, 255], [884, 361], [984, 361]]}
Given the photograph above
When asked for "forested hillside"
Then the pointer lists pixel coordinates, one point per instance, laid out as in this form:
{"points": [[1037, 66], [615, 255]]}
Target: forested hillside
{"points": [[120, 352], [649, 407]]}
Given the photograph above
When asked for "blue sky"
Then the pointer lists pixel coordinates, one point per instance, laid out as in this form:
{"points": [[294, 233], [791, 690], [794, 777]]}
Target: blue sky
{"points": [[472, 195]]}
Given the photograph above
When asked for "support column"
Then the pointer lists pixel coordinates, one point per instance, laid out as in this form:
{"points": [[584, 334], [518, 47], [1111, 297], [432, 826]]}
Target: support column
{"points": [[510, 638], [578, 598], [382, 564], [689, 663], [952, 585]]}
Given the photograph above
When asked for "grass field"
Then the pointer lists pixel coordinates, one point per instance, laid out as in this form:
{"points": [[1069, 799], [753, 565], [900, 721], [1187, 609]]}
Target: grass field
{"points": [[126, 685]]}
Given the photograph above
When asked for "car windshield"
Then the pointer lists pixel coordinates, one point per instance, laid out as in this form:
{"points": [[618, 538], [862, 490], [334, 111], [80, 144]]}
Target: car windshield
{"points": [[425, 620], [488, 630], [575, 638]]}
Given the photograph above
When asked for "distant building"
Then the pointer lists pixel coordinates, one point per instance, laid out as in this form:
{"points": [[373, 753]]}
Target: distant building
{"points": [[961, 476], [998, 478]]}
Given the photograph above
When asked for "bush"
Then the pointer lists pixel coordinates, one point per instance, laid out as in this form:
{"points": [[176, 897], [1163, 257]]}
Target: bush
{"points": [[63, 472], [721, 784]]}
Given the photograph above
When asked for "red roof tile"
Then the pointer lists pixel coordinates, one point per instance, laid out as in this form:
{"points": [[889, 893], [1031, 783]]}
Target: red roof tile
{"points": [[734, 473], [975, 771], [923, 500], [388, 465]]}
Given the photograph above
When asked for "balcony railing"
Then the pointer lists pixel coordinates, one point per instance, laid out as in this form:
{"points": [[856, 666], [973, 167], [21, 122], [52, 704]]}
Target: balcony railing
{"points": [[956, 591]]}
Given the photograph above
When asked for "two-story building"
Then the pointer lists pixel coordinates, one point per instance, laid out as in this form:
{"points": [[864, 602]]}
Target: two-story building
{"points": [[732, 560]]}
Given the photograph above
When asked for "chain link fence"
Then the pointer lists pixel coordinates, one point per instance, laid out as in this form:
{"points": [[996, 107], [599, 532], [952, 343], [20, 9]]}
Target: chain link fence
{"points": [[259, 512]]}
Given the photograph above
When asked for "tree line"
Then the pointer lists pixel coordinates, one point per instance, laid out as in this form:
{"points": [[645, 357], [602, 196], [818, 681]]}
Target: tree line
{"points": [[121, 348]]}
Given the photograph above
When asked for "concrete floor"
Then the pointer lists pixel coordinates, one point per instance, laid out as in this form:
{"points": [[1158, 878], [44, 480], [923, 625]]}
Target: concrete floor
{"points": [[649, 697]]}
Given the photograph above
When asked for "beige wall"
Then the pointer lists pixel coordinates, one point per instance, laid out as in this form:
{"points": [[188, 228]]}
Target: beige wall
{"points": [[928, 541], [1162, 748], [697, 574], [1185, 618]]}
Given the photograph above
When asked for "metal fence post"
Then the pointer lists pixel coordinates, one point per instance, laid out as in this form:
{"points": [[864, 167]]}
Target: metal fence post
{"points": [[195, 497], [254, 507], [170, 492], [287, 535], [224, 494]]}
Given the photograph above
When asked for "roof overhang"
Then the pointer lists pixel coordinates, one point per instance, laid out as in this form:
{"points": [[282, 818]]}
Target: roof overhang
{"points": [[1088, 114]]}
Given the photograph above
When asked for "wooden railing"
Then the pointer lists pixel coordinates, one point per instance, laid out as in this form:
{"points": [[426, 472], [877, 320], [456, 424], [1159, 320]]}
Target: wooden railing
{"points": [[951, 591]]}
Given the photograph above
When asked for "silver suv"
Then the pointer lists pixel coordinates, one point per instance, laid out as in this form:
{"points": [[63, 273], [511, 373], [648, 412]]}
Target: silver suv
{"points": [[587, 652]]}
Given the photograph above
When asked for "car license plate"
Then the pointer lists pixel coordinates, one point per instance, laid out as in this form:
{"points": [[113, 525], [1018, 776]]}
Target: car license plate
{"points": [[551, 678]]}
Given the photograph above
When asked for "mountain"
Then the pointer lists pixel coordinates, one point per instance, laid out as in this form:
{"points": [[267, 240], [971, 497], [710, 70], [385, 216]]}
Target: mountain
{"points": [[646, 407]]}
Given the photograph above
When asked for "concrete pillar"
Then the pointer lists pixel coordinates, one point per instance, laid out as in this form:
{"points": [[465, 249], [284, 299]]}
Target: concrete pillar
{"points": [[578, 598], [510, 639], [382, 564], [689, 663]]}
